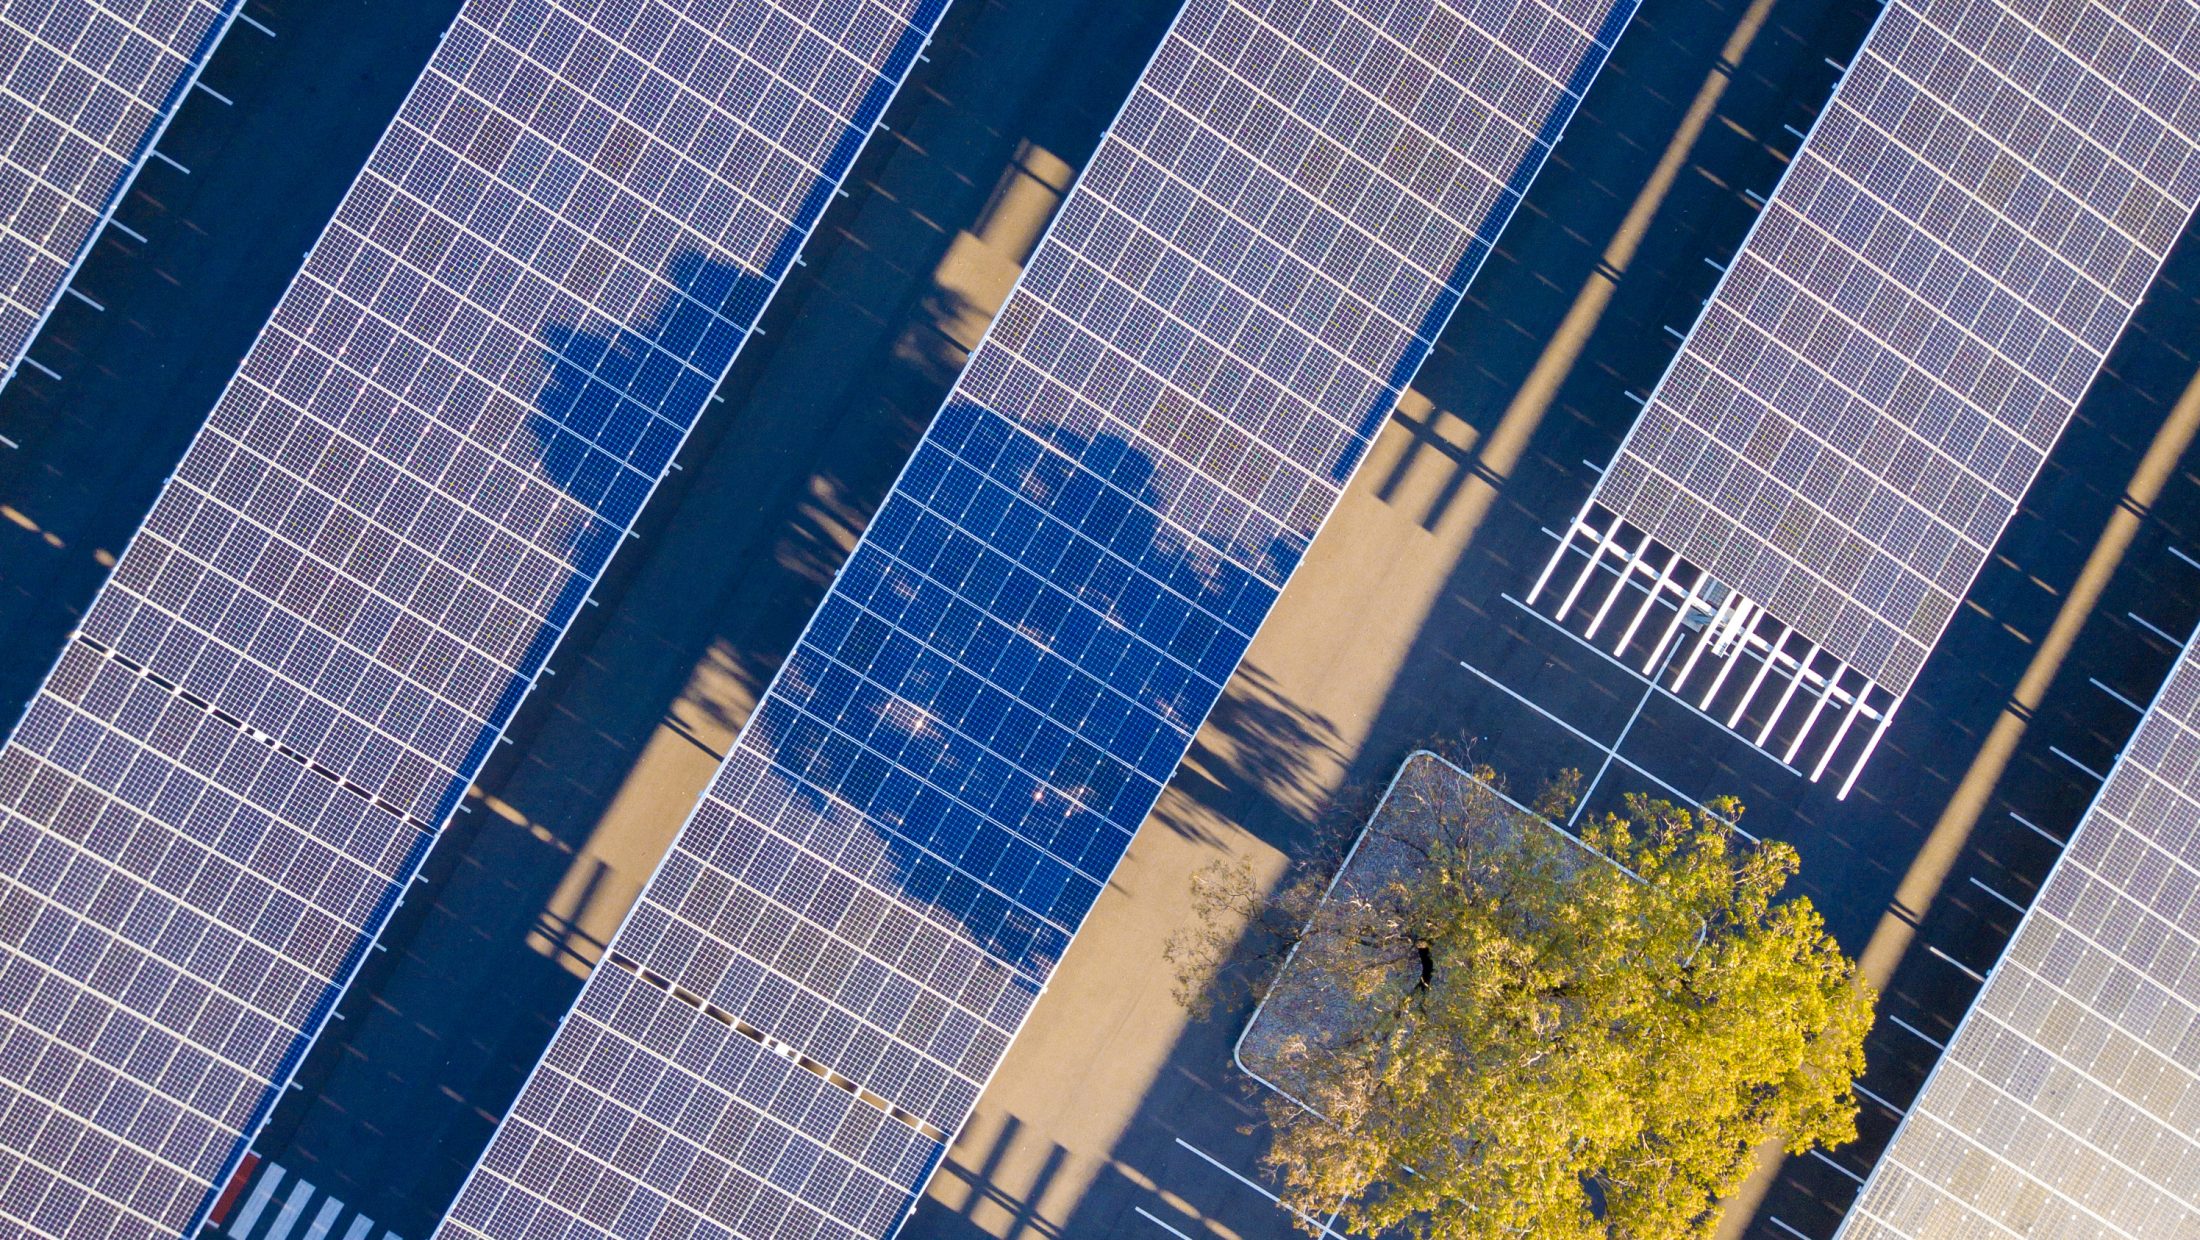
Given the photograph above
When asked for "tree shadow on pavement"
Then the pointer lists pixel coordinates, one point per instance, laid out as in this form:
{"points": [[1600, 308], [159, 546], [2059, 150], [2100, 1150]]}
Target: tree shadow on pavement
{"points": [[1435, 464], [735, 551], [1256, 740]]}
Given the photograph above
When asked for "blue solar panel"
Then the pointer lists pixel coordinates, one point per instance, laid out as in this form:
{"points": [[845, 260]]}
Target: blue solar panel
{"points": [[2068, 1101], [930, 796], [1908, 328], [365, 557], [86, 86]]}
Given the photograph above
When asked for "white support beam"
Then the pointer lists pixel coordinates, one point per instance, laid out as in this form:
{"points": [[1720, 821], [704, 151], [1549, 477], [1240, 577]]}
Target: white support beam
{"points": [[1672, 627], [1619, 586], [1788, 695], [1650, 600], [1733, 652], [1817, 708], [1756, 682], [1587, 570], [1857, 768], [1718, 620]]}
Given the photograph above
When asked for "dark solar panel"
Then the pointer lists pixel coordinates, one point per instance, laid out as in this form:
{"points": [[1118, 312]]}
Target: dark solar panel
{"points": [[2068, 1102], [850, 929], [85, 88], [1909, 326], [365, 557]]}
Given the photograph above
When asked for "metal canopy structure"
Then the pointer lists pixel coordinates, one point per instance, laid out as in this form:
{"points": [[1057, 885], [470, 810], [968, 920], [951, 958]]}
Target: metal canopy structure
{"points": [[365, 557], [2068, 1101], [821, 976], [86, 87], [1852, 421]]}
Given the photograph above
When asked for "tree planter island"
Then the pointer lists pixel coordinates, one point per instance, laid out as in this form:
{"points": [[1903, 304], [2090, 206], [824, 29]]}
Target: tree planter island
{"points": [[1482, 1026]]}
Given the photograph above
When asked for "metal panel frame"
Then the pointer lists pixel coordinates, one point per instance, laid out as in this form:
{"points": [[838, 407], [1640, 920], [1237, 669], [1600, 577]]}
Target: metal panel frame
{"points": [[1853, 1220], [822, 194], [174, 105], [1888, 698]]}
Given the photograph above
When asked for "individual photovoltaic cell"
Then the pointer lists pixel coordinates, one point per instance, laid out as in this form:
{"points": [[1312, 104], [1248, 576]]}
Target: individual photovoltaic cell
{"points": [[366, 555], [1908, 327], [2068, 1102], [85, 88], [930, 796]]}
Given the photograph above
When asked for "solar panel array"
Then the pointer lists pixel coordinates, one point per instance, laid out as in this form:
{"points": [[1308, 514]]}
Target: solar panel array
{"points": [[2068, 1102], [85, 88], [847, 933], [365, 556], [1910, 324]]}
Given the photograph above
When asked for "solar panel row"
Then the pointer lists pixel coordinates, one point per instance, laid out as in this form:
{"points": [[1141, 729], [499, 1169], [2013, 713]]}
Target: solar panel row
{"points": [[366, 555], [85, 88], [2068, 1102], [929, 798], [1907, 329]]}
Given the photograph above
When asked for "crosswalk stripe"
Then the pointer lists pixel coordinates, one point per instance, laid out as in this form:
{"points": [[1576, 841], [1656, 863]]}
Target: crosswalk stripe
{"points": [[257, 1201], [295, 1200], [293, 1206], [325, 1219]]}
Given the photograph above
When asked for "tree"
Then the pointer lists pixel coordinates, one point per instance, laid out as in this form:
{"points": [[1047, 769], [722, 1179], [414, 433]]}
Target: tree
{"points": [[1490, 1032]]}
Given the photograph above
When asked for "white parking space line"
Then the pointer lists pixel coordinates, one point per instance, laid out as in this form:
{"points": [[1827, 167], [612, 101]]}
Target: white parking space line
{"points": [[1617, 757], [1662, 691], [1891, 1108], [2037, 829], [1142, 1213], [2095, 681], [2097, 776], [1225, 1169], [1922, 1036], [2142, 622], [1821, 1156], [1612, 754]]}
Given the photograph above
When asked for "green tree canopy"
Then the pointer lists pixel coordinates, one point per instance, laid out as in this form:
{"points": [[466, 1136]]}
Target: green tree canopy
{"points": [[1509, 1038]]}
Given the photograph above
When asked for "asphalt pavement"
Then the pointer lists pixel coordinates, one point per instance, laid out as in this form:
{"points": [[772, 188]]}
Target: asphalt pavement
{"points": [[253, 169], [1114, 1115], [692, 618]]}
